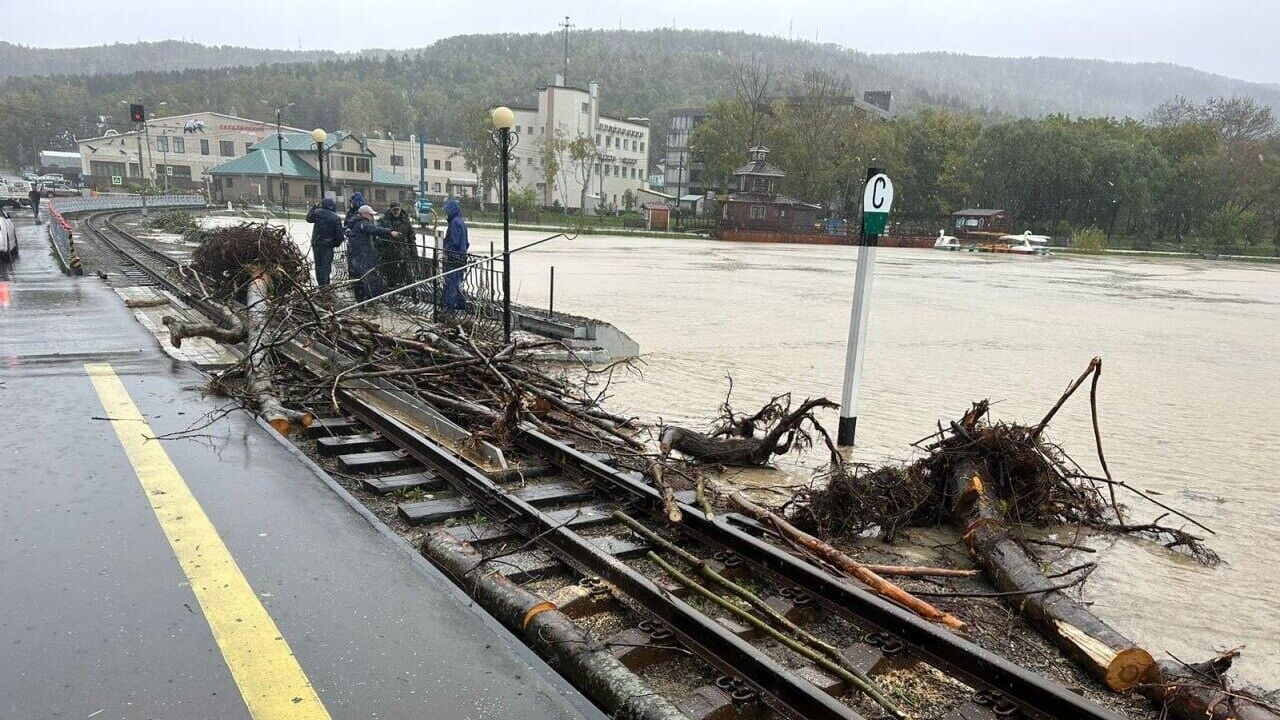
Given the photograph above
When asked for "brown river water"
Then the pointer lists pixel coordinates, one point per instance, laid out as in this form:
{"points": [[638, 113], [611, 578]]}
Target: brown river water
{"points": [[1189, 397]]}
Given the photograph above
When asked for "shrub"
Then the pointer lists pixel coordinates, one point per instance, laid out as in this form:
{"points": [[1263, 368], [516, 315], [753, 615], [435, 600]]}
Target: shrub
{"points": [[1090, 239]]}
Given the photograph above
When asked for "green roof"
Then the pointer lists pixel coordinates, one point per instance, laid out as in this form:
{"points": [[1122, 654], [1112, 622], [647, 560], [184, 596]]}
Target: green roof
{"points": [[299, 141], [386, 177], [266, 162]]}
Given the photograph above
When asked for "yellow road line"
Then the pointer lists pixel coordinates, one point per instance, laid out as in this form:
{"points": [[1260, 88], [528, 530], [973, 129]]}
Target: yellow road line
{"points": [[270, 679]]}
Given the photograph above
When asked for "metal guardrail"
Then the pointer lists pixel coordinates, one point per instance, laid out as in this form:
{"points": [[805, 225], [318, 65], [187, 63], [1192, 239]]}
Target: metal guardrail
{"points": [[60, 236], [65, 206]]}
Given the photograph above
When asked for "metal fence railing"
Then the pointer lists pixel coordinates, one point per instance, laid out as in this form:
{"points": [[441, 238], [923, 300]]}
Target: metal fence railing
{"points": [[122, 202], [60, 236], [475, 299]]}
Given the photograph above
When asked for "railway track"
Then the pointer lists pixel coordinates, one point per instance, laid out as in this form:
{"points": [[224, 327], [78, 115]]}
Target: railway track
{"points": [[556, 521]]}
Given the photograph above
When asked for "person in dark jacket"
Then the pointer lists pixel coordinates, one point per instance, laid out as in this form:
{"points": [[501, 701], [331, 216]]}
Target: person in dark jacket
{"points": [[397, 255], [362, 256], [455, 256], [34, 197], [353, 208], [325, 236]]}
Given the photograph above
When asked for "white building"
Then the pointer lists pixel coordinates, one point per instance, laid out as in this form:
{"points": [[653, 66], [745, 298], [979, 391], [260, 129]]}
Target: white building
{"points": [[621, 149], [446, 172], [180, 147]]}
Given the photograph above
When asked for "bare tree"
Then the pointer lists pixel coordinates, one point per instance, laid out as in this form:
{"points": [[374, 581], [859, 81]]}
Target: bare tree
{"points": [[751, 86]]}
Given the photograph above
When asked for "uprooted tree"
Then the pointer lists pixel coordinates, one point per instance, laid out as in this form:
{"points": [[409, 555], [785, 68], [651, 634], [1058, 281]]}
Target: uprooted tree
{"points": [[990, 478]]}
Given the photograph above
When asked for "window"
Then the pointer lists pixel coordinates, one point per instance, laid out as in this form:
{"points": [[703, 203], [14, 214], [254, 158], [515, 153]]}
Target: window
{"points": [[248, 147], [162, 144], [400, 195], [380, 194], [597, 138], [530, 129], [397, 161], [204, 147], [757, 212], [641, 146], [448, 164], [528, 161], [226, 148], [586, 108], [633, 173], [179, 145], [309, 191], [228, 182], [435, 187], [362, 165], [435, 164]]}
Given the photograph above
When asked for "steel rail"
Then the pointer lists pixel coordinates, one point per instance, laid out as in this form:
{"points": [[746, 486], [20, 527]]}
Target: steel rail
{"points": [[1036, 696], [777, 686]]}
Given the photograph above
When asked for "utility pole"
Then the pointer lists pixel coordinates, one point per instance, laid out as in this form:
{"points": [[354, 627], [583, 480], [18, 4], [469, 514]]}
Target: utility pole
{"points": [[280, 159], [566, 25], [422, 172], [147, 132], [165, 154], [142, 191]]}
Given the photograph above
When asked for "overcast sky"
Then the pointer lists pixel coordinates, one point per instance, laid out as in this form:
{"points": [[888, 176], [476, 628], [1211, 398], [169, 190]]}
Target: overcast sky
{"points": [[1238, 38]]}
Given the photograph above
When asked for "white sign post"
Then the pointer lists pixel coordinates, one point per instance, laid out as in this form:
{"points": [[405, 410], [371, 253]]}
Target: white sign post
{"points": [[877, 199]]}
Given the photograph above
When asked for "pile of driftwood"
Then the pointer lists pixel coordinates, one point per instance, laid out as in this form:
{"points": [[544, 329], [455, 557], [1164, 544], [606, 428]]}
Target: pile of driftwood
{"points": [[991, 478], [254, 274]]}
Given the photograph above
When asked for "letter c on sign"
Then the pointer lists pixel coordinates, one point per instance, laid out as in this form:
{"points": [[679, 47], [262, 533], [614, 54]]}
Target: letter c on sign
{"points": [[877, 192]]}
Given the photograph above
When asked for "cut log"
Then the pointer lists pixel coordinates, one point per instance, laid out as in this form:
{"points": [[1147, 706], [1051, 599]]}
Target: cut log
{"points": [[580, 658], [1109, 656], [845, 564]]}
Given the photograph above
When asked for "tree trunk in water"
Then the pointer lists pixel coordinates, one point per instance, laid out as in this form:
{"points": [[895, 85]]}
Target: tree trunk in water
{"points": [[742, 451], [1117, 661], [1105, 653]]}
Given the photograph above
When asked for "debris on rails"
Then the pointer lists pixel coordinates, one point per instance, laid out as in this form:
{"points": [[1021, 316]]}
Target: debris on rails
{"points": [[254, 274], [990, 479]]}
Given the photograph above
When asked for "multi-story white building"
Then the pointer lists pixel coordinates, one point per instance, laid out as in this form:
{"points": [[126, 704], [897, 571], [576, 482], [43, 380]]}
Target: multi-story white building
{"points": [[621, 156], [180, 148]]}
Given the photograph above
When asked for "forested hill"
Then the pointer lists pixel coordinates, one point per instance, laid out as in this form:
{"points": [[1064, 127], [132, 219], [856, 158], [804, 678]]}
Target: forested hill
{"points": [[1018, 86], [645, 73], [21, 61]]}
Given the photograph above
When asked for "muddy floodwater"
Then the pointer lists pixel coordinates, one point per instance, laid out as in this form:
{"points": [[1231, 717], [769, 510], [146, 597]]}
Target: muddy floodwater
{"points": [[1189, 397]]}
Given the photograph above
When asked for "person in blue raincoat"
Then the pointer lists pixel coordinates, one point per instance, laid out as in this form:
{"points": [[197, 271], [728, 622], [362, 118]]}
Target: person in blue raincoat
{"points": [[362, 256], [325, 236], [353, 208], [455, 256]]}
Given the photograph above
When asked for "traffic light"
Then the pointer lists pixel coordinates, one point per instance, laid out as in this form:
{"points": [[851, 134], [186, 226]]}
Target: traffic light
{"points": [[137, 113]]}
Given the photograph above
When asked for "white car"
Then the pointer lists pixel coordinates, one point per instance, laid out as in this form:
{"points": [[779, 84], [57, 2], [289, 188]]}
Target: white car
{"points": [[8, 239]]}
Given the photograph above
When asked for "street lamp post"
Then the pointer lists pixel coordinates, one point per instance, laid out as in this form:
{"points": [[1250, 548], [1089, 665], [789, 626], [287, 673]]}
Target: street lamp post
{"points": [[503, 121], [319, 136]]}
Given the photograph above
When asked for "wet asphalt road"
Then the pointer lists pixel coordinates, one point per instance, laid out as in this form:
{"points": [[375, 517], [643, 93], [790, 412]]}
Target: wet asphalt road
{"points": [[97, 618]]}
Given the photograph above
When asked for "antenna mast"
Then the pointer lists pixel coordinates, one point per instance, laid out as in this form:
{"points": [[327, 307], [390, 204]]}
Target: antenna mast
{"points": [[566, 26]]}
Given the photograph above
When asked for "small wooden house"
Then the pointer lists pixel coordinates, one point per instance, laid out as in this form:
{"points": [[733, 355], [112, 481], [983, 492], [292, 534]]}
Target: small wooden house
{"points": [[981, 221], [657, 215], [758, 204]]}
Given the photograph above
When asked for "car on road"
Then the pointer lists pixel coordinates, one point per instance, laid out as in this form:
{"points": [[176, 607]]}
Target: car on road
{"points": [[13, 193], [8, 238]]}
